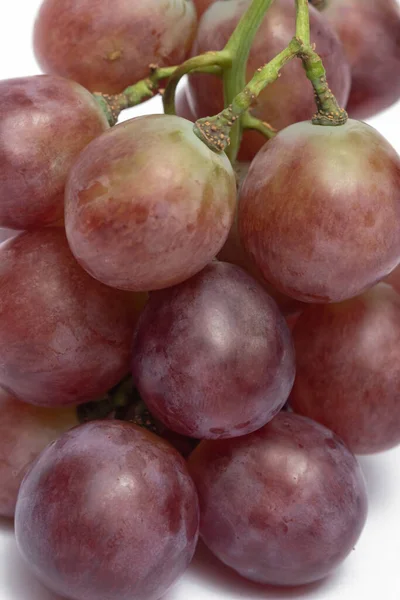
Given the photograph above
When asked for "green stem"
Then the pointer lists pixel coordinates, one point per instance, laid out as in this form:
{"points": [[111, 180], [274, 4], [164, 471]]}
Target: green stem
{"points": [[202, 64], [328, 110], [234, 77], [250, 122], [133, 95], [303, 21], [215, 131]]}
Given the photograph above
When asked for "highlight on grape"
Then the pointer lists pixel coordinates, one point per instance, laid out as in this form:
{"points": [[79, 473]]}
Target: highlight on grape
{"points": [[200, 309]]}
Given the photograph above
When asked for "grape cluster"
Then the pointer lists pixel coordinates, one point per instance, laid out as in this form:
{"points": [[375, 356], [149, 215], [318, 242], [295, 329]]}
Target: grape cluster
{"points": [[192, 346]]}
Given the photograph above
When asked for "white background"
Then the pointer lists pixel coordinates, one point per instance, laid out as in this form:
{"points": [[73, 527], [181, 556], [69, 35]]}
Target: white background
{"points": [[373, 569]]}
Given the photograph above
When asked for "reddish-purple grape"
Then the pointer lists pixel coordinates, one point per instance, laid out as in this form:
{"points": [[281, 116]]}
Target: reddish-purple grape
{"points": [[108, 511], [370, 33], [64, 337], [25, 431], [45, 122], [213, 357], [319, 212], [284, 505], [148, 204], [109, 45], [348, 368], [290, 98]]}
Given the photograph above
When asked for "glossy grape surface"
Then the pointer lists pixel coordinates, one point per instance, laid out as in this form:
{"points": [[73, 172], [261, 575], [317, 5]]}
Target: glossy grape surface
{"points": [[284, 505], [108, 511], [64, 337], [319, 211], [212, 357], [370, 33], [109, 45], [45, 122], [25, 431], [148, 204], [290, 98], [348, 368]]}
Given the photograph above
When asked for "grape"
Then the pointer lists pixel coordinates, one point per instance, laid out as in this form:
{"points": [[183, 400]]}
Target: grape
{"points": [[64, 337], [319, 211], [108, 511], [213, 357], [291, 97], [25, 430], [45, 122], [108, 45], [370, 33], [148, 204], [348, 368], [284, 505]]}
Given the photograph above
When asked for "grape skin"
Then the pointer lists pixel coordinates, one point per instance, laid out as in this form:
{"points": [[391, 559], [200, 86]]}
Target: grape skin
{"points": [[370, 33], [234, 253], [284, 505], [148, 204], [64, 337], [315, 200], [289, 99], [212, 357], [348, 369], [25, 431], [45, 122], [108, 45], [108, 511]]}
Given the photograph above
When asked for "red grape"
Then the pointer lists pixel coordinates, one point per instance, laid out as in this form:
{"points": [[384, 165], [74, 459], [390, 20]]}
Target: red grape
{"points": [[64, 337], [148, 204], [108, 511], [45, 122], [25, 431], [319, 211], [213, 357], [107, 45], [348, 368], [370, 33], [284, 505], [290, 98]]}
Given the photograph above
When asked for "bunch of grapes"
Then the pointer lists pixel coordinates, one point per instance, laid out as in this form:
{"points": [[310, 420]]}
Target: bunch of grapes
{"points": [[196, 342]]}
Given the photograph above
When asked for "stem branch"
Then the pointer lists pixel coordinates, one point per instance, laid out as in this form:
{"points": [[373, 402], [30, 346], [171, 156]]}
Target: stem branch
{"points": [[239, 46], [328, 110], [303, 21], [201, 64], [250, 122], [215, 131]]}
